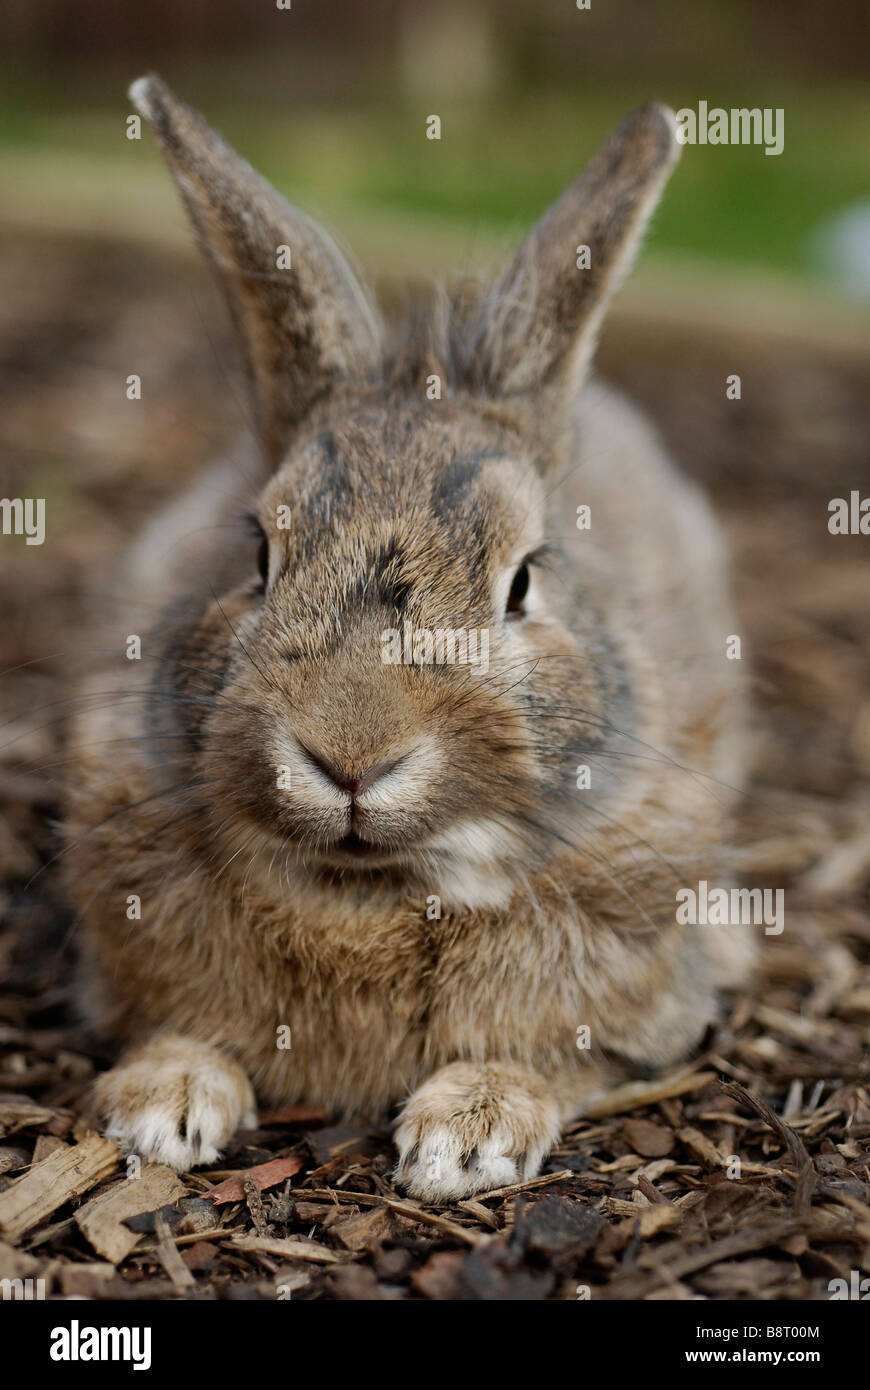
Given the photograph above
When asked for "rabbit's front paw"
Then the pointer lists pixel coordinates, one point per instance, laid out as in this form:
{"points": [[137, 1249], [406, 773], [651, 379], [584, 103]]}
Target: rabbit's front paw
{"points": [[471, 1127], [175, 1101]]}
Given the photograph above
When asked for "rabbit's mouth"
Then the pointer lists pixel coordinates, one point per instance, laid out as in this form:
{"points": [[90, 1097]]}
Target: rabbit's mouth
{"points": [[353, 844], [353, 848]]}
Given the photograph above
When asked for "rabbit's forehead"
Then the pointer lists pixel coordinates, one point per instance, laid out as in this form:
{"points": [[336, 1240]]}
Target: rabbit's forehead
{"points": [[409, 477]]}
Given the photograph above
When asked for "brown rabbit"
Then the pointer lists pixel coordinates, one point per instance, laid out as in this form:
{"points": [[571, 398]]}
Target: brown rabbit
{"points": [[435, 876]]}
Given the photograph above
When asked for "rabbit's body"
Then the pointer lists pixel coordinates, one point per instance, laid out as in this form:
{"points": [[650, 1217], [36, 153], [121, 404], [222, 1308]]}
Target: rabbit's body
{"points": [[399, 869]]}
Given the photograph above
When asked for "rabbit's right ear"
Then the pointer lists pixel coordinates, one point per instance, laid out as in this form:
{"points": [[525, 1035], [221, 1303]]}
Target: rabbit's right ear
{"points": [[538, 326], [304, 320]]}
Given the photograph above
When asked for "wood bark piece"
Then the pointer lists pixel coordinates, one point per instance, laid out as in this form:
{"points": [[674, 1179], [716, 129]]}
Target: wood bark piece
{"points": [[67, 1173], [658, 1218], [651, 1193], [170, 1258], [648, 1139], [20, 1114], [288, 1247], [12, 1158], [408, 1209], [86, 1281], [46, 1144], [634, 1094], [701, 1149], [543, 1181], [17, 1264], [806, 1179], [101, 1220], [363, 1230], [264, 1175]]}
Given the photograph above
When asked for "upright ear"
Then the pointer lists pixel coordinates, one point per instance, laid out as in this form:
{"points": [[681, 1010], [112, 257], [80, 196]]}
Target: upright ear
{"points": [[539, 324], [303, 318]]}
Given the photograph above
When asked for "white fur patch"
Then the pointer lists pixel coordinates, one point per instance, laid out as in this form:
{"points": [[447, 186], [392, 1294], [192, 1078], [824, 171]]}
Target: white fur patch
{"points": [[439, 1175], [440, 1172], [473, 864]]}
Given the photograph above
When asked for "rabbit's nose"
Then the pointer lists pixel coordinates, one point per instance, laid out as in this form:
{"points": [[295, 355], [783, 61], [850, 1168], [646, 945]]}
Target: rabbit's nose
{"points": [[355, 783]]}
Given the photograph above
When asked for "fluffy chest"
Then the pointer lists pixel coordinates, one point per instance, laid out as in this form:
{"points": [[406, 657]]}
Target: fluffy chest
{"points": [[361, 1007]]}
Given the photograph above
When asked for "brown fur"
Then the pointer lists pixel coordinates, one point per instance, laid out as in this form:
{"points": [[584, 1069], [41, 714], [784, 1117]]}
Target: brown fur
{"points": [[557, 906]]}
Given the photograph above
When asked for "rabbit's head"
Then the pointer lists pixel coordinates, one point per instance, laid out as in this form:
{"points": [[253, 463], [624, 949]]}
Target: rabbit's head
{"points": [[391, 689]]}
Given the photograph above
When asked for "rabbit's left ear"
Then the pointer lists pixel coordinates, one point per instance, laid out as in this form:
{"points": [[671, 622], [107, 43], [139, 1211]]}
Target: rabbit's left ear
{"points": [[304, 320], [539, 324]]}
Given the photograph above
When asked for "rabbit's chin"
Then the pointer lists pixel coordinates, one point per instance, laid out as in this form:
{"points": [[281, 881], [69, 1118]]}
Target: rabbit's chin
{"points": [[469, 866]]}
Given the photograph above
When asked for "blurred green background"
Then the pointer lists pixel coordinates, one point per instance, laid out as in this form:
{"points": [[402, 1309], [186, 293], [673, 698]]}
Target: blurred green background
{"points": [[330, 98]]}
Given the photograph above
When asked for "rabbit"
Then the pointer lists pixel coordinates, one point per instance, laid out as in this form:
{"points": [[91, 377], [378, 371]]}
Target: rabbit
{"points": [[437, 890]]}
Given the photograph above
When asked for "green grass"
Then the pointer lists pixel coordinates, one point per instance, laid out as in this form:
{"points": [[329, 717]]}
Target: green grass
{"points": [[497, 168]]}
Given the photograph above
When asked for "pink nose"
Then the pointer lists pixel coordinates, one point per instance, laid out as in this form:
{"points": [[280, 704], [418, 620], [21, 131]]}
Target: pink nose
{"points": [[357, 783]]}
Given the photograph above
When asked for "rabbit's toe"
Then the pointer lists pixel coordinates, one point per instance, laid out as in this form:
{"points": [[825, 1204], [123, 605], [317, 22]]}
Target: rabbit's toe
{"points": [[470, 1128], [176, 1102]]}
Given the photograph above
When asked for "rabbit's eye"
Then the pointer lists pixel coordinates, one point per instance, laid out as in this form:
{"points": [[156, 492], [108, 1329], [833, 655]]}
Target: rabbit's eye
{"points": [[519, 589], [255, 530], [263, 559]]}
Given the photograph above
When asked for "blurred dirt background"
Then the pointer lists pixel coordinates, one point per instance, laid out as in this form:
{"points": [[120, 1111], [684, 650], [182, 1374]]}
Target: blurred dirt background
{"points": [[641, 1199]]}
